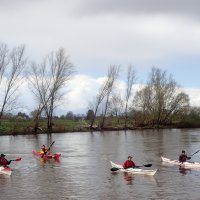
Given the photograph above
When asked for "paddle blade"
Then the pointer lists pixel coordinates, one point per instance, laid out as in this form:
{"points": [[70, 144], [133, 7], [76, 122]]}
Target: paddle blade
{"points": [[114, 169], [148, 165], [18, 159]]}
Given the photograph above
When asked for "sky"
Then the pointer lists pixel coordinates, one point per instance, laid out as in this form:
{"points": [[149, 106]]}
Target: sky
{"points": [[97, 34]]}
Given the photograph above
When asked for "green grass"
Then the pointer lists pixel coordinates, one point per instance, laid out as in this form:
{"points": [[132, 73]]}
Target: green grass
{"points": [[13, 126]]}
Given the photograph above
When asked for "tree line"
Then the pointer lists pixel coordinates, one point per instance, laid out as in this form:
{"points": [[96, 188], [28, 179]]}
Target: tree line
{"points": [[159, 102]]}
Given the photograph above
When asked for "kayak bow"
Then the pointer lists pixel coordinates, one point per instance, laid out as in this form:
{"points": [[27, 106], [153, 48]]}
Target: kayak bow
{"points": [[5, 170], [134, 170]]}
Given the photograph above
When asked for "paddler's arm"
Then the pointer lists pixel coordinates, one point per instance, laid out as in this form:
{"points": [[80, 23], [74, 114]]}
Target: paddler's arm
{"points": [[9, 162]]}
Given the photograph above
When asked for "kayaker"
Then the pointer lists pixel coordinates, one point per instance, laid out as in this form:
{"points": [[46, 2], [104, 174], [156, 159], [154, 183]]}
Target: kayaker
{"points": [[3, 161], [183, 157], [44, 150], [128, 163]]}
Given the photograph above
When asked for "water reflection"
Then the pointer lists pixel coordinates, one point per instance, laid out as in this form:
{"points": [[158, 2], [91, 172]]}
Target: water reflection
{"points": [[129, 178], [84, 170], [43, 161], [184, 171], [132, 178]]}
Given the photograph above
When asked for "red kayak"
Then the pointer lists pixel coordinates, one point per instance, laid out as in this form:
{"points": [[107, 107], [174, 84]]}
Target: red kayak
{"points": [[49, 155]]}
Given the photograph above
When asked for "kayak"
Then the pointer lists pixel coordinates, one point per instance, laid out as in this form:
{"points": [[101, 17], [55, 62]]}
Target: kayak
{"points": [[134, 170], [49, 155], [183, 165], [5, 170]]}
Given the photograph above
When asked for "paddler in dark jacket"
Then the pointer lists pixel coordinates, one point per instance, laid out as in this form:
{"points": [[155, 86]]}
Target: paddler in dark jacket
{"points": [[128, 163], [3, 161], [183, 157]]}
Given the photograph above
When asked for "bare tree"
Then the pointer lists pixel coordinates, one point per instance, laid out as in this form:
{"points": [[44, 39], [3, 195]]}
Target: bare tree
{"points": [[105, 92], [12, 65], [129, 86], [47, 80], [160, 99], [113, 73], [116, 105], [39, 84]]}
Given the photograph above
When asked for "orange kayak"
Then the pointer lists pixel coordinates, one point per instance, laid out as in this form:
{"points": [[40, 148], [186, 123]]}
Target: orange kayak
{"points": [[49, 155]]}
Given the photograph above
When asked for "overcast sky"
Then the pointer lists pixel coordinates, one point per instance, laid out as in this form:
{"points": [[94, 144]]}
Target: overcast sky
{"points": [[97, 34]]}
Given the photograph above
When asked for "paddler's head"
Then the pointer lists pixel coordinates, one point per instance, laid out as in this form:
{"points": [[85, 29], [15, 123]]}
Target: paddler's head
{"points": [[3, 155], [129, 157], [183, 152]]}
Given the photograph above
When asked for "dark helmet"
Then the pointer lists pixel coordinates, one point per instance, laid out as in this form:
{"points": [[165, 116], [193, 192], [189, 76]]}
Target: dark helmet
{"points": [[129, 157], [183, 151], [3, 155]]}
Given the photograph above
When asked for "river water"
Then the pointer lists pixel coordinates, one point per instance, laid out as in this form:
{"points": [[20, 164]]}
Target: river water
{"points": [[83, 171]]}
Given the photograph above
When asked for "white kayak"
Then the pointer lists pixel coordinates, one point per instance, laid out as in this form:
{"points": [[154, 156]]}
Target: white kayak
{"points": [[5, 170], [184, 165], [134, 170]]}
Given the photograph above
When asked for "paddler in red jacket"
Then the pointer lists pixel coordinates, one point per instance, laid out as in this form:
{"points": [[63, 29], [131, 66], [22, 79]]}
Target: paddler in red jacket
{"points": [[128, 163], [3, 161], [183, 157]]}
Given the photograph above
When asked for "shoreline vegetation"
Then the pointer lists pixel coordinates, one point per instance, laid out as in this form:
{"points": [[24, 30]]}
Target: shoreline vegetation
{"points": [[26, 126], [113, 105]]}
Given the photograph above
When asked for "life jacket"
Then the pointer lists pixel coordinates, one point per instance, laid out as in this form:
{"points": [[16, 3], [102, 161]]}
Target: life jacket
{"points": [[183, 158], [43, 151], [128, 164], [3, 161]]}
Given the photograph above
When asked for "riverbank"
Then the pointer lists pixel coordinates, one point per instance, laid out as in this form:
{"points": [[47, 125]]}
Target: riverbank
{"points": [[25, 127]]}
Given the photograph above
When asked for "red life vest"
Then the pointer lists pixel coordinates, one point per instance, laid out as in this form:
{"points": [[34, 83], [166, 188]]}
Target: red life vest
{"points": [[183, 158], [3, 161], [128, 164]]}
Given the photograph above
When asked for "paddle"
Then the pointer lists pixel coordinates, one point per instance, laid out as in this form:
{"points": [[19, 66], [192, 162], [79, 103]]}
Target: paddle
{"points": [[147, 165], [113, 169], [50, 146], [17, 159], [194, 153]]}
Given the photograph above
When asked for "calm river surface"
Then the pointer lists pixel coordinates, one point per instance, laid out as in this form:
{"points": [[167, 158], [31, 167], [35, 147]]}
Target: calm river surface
{"points": [[84, 169]]}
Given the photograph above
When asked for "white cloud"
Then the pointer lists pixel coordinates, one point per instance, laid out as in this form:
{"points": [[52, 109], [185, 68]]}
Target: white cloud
{"points": [[126, 35], [81, 91], [194, 95], [97, 34]]}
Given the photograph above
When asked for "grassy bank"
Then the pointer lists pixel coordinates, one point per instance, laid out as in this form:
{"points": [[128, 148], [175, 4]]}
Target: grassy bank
{"points": [[15, 127]]}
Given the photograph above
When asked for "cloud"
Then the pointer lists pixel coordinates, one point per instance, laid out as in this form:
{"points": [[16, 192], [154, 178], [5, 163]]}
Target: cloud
{"points": [[194, 95], [97, 34], [144, 7], [117, 32]]}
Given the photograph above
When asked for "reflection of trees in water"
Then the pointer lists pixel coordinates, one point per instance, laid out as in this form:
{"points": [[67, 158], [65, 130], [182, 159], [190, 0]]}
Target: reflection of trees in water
{"points": [[166, 142], [189, 136]]}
